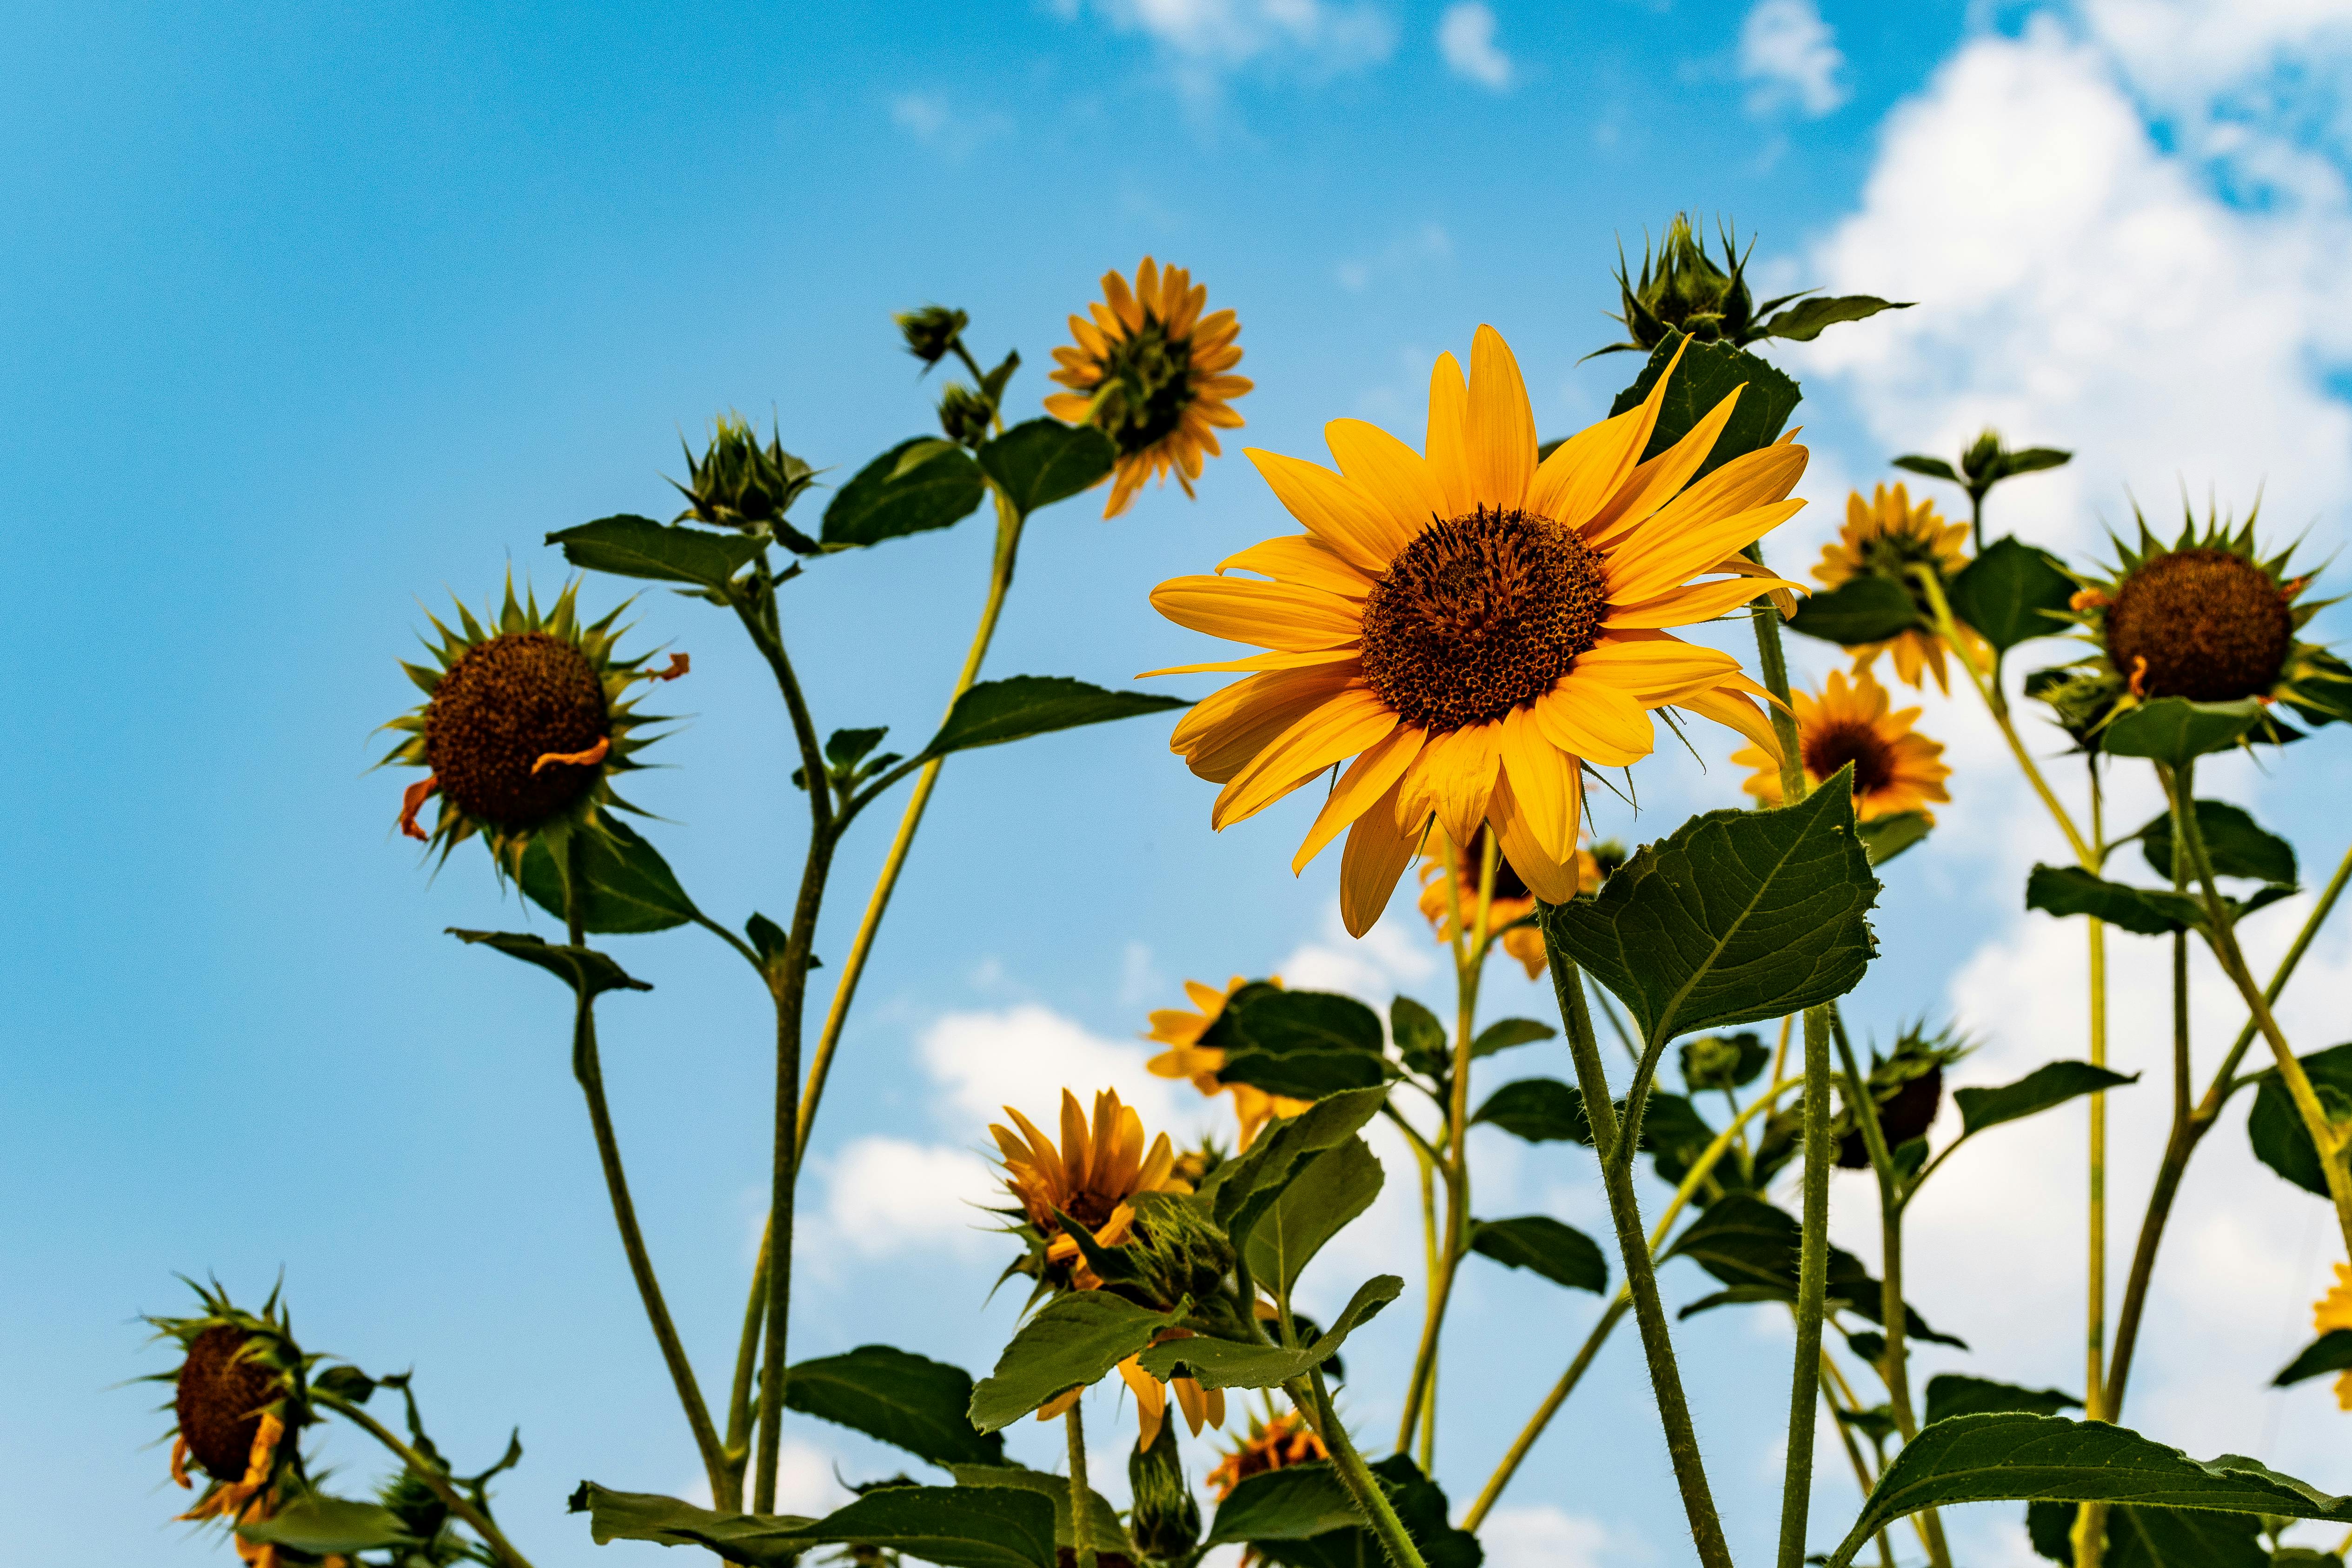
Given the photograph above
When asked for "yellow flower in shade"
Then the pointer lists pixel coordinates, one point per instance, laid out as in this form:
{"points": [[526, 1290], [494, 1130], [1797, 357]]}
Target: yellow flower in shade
{"points": [[1154, 374], [1185, 1056], [1269, 1445], [1473, 626], [1886, 536], [1895, 768], [1510, 899], [2333, 1310]]}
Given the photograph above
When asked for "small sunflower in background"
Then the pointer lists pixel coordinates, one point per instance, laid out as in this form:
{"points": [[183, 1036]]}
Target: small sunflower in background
{"points": [[523, 726], [1186, 1058], [2333, 1311], [1272, 1443], [1510, 901], [1474, 626], [1895, 768], [1886, 536], [1154, 374], [239, 1398], [2206, 618]]}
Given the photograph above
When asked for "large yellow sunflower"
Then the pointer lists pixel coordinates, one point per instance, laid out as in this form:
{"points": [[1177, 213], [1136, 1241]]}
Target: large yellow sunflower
{"points": [[2333, 1310], [1895, 768], [1508, 901], [1886, 536], [1473, 626], [1154, 374], [1185, 1056]]}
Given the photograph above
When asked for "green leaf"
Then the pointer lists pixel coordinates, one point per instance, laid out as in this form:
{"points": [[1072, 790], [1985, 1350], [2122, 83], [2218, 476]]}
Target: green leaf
{"points": [[1294, 1503], [995, 711], [1044, 461], [1420, 1037], [1560, 1253], [630, 888], [1072, 1342], [1803, 321], [955, 1527], [2013, 592], [1228, 1363], [1956, 1394], [2275, 1127], [1737, 916], [1509, 1032], [1539, 1110], [325, 1526], [1107, 1532], [1933, 467], [2032, 460], [2155, 1537], [1753, 1248], [2331, 1352], [2174, 730], [843, 747], [1982, 1458], [628, 546], [1242, 1190], [1885, 838], [2052, 1083], [918, 485], [578, 967], [1858, 610], [2236, 844], [344, 1383], [1709, 374], [1301, 1043], [1420, 1507], [2149, 911], [1327, 1195], [900, 1398]]}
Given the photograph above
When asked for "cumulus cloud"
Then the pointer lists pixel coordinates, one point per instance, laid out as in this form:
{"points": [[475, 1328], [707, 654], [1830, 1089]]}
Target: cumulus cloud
{"points": [[885, 1195], [1023, 1056], [1204, 40], [1547, 1537], [1396, 952], [1465, 37], [938, 124], [1791, 56]]}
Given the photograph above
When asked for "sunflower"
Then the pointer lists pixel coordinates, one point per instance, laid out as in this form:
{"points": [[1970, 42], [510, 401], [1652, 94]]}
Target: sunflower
{"points": [[1475, 627], [1269, 1445], [1886, 537], [1509, 902], [1185, 1056], [239, 1396], [2332, 1311], [521, 728], [2205, 618], [1152, 374], [1895, 769]]}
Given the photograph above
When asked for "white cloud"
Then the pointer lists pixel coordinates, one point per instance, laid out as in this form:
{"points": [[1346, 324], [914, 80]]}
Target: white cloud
{"points": [[1791, 56], [1204, 41], [1398, 951], [1023, 1056], [885, 1195], [805, 1482], [1465, 37], [1547, 1537], [933, 121]]}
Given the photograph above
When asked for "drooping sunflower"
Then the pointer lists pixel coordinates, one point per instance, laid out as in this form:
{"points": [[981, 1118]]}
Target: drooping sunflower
{"points": [[1886, 536], [1473, 626], [2332, 1311], [1100, 1177], [1509, 901], [522, 727], [1272, 1443], [1154, 374], [1185, 1056], [2205, 618], [240, 1399], [1895, 768]]}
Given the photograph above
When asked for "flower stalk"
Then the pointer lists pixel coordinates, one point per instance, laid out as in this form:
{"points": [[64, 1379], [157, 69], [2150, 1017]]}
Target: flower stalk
{"points": [[431, 1474], [1313, 1401]]}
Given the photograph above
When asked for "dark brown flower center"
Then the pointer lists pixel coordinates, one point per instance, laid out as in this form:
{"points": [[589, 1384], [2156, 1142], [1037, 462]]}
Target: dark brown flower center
{"points": [[1481, 615], [1828, 747], [218, 1401], [2212, 626], [503, 705]]}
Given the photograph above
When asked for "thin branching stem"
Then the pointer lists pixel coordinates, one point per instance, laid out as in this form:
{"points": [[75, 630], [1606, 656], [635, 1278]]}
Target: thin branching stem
{"points": [[432, 1475]]}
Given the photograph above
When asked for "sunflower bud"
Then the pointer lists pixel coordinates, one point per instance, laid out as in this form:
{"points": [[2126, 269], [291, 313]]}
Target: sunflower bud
{"points": [[737, 483], [1984, 457], [1166, 1520], [1685, 289], [964, 415], [932, 331], [1908, 1089], [1180, 1251], [1722, 1061]]}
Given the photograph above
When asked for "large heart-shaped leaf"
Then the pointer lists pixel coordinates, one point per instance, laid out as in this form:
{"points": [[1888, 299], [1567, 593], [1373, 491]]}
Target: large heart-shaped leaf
{"points": [[630, 888], [995, 711], [2052, 1083], [909, 1401], [2148, 912], [918, 485], [1542, 1244], [1229, 1363], [582, 968], [1295, 1502], [1539, 1110], [323, 1526], [1105, 1531], [1300, 1043], [955, 1527], [1043, 461], [2275, 1127], [1073, 1342], [1956, 1394], [1858, 610], [2235, 843], [1327, 1194], [2174, 730], [1242, 1190], [1709, 374], [1420, 1507], [2011, 594]]}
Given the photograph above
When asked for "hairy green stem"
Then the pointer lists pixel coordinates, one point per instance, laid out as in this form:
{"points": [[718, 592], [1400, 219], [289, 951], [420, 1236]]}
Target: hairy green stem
{"points": [[1082, 1523], [1313, 1401], [431, 1474]]}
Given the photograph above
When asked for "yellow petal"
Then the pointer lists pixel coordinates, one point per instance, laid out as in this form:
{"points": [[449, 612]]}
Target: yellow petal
{"points": [[1500, 434], [1226, 730], [1077, 1149], [1688, 607], [1590, 469], [1657, 483], [1654, 666], [1337, 730], [1461, 770], [1391, 473], [1593, 719], [1516, 836], [1741, 713], [1258, 662], [1668, 551], [1271, 615], [1545, 792], [1059, 1406], [1449, 402], [1335, 508], [1377, 852], [1366, 783], [1042, 1152], [1304, 560]]}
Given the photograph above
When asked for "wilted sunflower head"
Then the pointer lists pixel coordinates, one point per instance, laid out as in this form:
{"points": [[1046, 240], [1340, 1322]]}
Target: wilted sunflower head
{"points": [[1154, 374], [523, 727], [739, 483], [1908, 1086], [2206, 618], [1888, 537], [1093, 1177], [1895, 768], [239, 1398]]}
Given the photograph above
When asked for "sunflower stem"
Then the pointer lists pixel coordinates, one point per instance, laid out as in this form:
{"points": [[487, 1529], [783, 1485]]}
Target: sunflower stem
{"points": [[1313, 1401], [1082, 1522], [1633, 1247], [588, 1069], [2090, 1521], [432, 1474], [746, 1361]]}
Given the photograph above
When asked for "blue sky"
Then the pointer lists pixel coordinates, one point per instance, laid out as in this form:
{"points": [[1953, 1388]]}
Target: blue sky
{"points": [[317, 319]]}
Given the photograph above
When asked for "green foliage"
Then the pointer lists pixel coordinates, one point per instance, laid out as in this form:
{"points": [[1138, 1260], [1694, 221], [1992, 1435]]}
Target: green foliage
{"points": [[1709, 374], [1539, 1110], [626, 546], [582, 968], [1542, 1244], [2052, 1083], [1736, 916], [1420, 1037], [1802, 321], [1956, 1394], [2155, 1537], [2331, 1352], [2275, 1127], [1752, 1247], [2235, 843], [1295, 1502], [1104, 1528], [1072, 1341], [2013, 592], [921, 483], [739, 483], [630, 888], [896, 1397], [1982, 1458], [1229, 1363], [1242, 1190], [1043, 461], [2174, 730], [1885, 838], [1421, 1507], [1723, 1061], [1015, 709], [1509, 1032], [1864, 609], [1302, 1044], [2149, 911], [955, 1527], [1327, 1194], [323, 1526]]}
